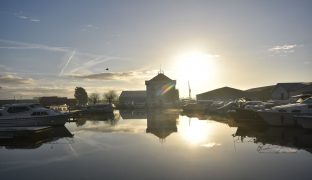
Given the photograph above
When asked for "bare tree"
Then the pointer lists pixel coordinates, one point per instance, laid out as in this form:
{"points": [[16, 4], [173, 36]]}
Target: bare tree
{"points": [[94, 98], [110, 96]]}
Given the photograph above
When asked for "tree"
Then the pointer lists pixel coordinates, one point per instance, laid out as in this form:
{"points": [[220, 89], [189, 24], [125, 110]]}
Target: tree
{"points": [[110, 96], [81, 95], [94, 98]]}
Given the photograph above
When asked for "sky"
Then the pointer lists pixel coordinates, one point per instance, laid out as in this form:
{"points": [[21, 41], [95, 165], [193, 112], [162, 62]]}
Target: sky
{"points": [[50, 47]]}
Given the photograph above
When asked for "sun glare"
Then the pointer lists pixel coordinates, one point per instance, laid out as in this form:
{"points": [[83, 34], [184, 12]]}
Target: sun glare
{"points": [[194, 131], [197, 67]]}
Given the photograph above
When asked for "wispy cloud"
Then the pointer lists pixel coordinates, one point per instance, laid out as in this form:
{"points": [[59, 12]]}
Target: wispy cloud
{"points": [[27, 18], [115, 75], [72, 62], [282, 49], [7, 44], [107, 76], [35, 20], [89, 27], [30, 92], [15, 80], [68, 61]]}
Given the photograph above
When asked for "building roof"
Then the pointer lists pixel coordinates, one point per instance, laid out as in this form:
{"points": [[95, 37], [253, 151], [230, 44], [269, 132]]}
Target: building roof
{"points": [[304, 90], [133, 94], [160, 77], [223, 93], [292, 86], [260, 89], [263, 93]]}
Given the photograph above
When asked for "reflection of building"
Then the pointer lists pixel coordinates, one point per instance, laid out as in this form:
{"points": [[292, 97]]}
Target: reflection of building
{"points": [[133, 99], [161, 92], [161, 124], [133, 114]]}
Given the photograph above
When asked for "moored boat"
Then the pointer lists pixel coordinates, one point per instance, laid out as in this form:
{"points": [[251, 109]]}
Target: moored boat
{"points": [[29, 114], [100, 108], [289, 115]]}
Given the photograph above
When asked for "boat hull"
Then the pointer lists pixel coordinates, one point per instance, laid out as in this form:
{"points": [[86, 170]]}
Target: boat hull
{"points": [[279, 119], [58, 120], [305, 121]]}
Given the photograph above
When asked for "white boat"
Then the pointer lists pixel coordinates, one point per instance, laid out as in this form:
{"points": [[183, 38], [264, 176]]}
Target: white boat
{"points": [[289, 115], [29, 114]]}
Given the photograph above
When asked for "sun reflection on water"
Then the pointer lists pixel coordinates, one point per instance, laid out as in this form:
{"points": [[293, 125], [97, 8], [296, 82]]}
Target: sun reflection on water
{"points": [[194, 131]]}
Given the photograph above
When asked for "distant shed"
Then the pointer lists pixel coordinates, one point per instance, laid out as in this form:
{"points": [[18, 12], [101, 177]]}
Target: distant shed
{"points": [[132, 98], [283, 91], [261, 93], [223, 94]]}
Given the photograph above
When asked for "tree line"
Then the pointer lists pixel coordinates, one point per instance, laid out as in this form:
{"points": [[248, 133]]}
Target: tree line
{"points": [[83, 98]]}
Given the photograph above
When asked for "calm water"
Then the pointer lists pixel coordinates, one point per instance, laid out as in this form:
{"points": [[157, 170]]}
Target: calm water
{"points": [[159, 145]]}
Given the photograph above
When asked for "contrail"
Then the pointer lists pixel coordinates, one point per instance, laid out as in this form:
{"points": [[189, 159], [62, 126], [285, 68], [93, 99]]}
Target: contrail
{"points": [[68, 61]]}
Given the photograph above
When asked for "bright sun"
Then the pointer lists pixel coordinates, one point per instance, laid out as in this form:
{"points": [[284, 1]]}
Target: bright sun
{"points": [[197, 67]]}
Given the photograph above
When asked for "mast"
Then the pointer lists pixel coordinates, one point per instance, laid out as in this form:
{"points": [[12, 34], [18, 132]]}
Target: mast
{"points": [[189, 87]]}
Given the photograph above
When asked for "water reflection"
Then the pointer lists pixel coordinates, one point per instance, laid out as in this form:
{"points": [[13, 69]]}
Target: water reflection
{"points": [[133, 114], [269, 139], [32, 139], [274, 139], [113, 146], [193, 129], [162, 123], [110, 118]]}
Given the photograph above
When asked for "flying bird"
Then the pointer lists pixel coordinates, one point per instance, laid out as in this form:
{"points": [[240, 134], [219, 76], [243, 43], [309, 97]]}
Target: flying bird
{"points": [[107, 69]]}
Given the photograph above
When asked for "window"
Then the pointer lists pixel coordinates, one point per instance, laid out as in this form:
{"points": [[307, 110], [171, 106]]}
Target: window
{"points": [[18, 109], [35, 113], [35, 105], [44, 113], [296, 111], [307, 101], [39, 113]]}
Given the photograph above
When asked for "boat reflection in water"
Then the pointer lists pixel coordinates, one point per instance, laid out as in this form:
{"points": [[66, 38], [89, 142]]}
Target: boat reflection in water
{"points": [[269, 138], [274, 139], [109, 117], [32, 138]]}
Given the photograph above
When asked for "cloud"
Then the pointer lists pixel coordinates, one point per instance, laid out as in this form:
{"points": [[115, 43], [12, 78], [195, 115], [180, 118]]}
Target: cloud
{"points": [[30, 92], [15, 80], [68, 61], [73, 61], [7, 44], [89, 27], [107, 76], [286, 48], [129, 75], [27, 18], [22, 17], [35, 20], [92, 26]]}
